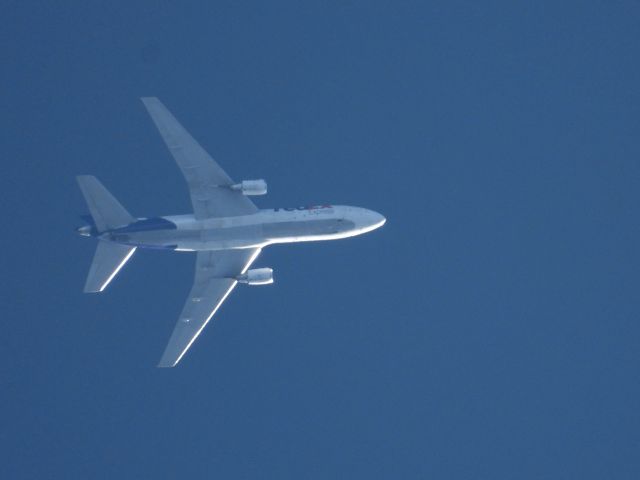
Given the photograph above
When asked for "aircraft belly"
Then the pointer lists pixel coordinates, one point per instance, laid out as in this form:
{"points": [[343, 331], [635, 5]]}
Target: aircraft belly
{"points": [[248, 236], [196, 238], [312, 228], [168, 239]]}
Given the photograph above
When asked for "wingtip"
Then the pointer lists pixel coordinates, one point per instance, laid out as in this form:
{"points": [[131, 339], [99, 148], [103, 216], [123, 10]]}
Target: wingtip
{"points": [[90, 290], [167, 362], [165, 365]]}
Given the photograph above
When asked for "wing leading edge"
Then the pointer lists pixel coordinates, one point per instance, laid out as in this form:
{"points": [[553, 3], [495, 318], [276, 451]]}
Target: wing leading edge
{"points": [[208, 183], [214, 281]]}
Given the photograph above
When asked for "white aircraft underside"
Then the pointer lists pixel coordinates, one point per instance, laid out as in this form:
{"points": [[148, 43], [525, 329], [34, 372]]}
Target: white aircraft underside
{"points": [[226, 229]]}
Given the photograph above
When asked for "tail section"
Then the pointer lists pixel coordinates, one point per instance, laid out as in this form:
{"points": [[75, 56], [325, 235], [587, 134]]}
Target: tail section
{"points": [[107, 214], [107, 262], [106, 211]]}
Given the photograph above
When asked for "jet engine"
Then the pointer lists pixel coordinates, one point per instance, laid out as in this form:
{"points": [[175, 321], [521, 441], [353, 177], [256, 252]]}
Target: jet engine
{"points": [[251, 187], [257, 276]]}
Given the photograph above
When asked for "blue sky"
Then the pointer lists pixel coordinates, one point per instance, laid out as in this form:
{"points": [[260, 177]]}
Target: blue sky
{"points": [[489, 330]]}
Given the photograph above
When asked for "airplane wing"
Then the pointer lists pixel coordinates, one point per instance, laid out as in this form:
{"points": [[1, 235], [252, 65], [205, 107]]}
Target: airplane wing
{"points": [[208, 183], [214, 280]]}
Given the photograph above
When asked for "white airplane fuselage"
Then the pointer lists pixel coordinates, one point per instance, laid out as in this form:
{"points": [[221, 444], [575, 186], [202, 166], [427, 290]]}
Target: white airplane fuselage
{"points": [[265, 227]]}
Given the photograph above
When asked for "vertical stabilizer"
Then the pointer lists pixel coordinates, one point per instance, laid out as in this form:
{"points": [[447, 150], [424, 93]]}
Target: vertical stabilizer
{"points": [[106, 211], [107, 262]]}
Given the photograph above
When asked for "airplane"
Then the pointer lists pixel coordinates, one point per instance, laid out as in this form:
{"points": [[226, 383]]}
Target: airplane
{"points": [[226, 230]]}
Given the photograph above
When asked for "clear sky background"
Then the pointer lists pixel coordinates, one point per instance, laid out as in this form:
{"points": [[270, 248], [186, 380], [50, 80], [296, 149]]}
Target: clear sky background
{"points": [[489, 330]]}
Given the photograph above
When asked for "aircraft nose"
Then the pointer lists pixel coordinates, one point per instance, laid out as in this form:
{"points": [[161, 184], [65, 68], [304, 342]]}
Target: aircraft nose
{"points": [[376, 219], [379, 219], [370, 220]]}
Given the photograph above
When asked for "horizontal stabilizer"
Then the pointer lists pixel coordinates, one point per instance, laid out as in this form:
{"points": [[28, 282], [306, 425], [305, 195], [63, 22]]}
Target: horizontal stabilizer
{"points": [[106, 211], [107, 262]]}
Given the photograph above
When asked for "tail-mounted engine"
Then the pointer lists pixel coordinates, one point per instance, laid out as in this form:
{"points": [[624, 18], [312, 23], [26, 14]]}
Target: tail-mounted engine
{"points": [[251, 187], [257, 276]]}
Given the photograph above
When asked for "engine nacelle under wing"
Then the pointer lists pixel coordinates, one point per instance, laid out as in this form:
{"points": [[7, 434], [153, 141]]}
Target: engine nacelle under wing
{"points": [[251, 187], [257, 276]]}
